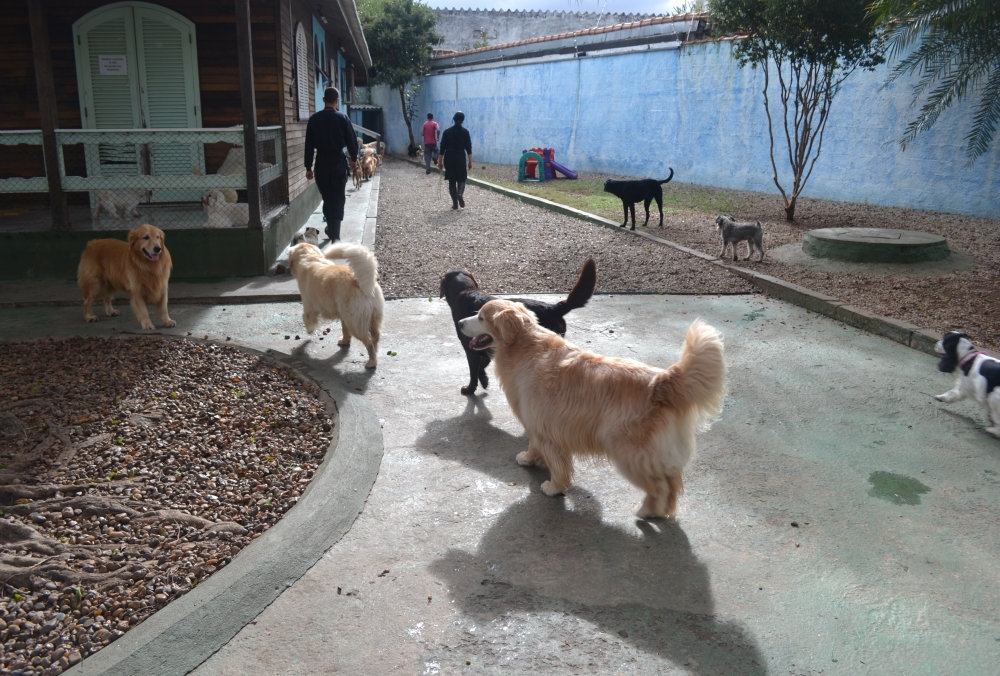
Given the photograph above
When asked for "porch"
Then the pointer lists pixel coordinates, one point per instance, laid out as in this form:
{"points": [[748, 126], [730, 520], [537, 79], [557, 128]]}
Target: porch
{"points": [[116, 179]]}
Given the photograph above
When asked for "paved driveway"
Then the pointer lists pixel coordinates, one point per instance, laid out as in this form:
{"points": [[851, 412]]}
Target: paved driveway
{"points": [[836, 519]]}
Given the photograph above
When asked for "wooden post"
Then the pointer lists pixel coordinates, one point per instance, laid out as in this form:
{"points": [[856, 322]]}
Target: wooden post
{"points": [[244, 47], [47, 111]]}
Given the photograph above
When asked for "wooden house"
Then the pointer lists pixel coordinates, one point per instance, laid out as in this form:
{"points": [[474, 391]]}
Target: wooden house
{"points": [[122, 107]]}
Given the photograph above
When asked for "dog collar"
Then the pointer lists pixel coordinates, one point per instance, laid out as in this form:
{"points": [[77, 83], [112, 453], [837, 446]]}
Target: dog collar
{"points": [[969, 357]]}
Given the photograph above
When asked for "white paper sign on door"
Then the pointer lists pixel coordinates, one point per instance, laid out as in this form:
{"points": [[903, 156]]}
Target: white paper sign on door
{"points": [[115, 64]]}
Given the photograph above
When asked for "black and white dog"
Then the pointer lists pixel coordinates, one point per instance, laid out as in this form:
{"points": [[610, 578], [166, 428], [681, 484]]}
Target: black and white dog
{"points": [[979, 377]]}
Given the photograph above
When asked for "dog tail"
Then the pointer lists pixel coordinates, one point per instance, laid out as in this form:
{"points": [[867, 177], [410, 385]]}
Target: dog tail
{"points": [[698, 380], [362, 262], [667, 179], [582, 291]]}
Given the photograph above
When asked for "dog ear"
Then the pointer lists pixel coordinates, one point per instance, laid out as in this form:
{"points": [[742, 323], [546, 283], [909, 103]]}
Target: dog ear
{"points": [[949, 361], [508, 324]]}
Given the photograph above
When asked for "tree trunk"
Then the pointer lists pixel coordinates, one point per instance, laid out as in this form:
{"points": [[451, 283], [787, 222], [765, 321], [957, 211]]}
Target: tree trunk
{"points": [[409, 128], [790, 209]]}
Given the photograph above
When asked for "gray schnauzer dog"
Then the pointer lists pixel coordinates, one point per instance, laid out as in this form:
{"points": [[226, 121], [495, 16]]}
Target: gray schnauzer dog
{"points": [[733, 233]]}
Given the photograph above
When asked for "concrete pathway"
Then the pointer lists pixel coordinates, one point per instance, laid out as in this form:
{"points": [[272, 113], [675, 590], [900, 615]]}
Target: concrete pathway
{"points": [[359, 224], [836, 520]]}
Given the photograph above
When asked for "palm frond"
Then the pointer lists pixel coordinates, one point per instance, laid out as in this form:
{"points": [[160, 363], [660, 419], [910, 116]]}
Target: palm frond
{"points": [[985, 120]]}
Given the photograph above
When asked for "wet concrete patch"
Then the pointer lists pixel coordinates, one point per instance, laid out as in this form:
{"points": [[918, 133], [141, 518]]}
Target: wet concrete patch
{"points": [[896, 488]]}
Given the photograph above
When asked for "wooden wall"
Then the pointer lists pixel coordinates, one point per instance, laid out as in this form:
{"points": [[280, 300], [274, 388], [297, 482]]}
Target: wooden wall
{"points": [[272, 26], [293, 12], [218, 70]]}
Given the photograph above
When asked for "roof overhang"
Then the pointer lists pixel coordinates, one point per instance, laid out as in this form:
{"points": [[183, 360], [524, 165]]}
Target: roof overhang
{"points": [[674, 29], [340, 19]]}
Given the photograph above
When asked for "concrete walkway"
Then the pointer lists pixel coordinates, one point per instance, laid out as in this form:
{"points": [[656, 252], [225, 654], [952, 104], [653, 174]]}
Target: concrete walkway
{"points": [[360, 212], [836, 519]]}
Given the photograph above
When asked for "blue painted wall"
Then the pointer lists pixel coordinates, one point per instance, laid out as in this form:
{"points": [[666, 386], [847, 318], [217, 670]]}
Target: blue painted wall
{"points": [[695, 110]]}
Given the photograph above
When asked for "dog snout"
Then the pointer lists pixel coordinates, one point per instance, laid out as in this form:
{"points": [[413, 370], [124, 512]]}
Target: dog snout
{"points": [[157, 249]]}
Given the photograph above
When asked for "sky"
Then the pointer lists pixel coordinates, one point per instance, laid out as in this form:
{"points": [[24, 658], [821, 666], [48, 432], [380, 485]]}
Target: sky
{"points": [[610, 6]]}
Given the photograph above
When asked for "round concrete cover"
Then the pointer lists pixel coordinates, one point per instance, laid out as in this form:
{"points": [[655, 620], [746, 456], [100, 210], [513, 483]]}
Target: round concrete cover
{"points": [[875, 245]]}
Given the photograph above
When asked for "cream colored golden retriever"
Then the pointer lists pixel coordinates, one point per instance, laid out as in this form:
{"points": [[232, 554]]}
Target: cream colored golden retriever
{"points": [[139, 267], [577, 403], [350, 293]]}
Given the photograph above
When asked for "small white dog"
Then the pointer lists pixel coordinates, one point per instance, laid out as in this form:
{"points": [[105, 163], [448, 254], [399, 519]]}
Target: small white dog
{"points": [[223, 214], [350, 293], [979, 377], [310, 235], [127, 200]]}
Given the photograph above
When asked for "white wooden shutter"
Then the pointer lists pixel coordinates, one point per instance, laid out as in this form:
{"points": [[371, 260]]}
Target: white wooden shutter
{"points": [[160, 90], [302, 59], [168, 85], [108, 101]]}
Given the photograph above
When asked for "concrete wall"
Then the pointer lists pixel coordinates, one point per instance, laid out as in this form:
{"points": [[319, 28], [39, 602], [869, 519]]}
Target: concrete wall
{"points": [[695, 110], [463, 28]]}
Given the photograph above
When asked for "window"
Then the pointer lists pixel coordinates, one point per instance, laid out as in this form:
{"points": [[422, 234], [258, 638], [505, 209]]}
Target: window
{"points": [[302, 71]]}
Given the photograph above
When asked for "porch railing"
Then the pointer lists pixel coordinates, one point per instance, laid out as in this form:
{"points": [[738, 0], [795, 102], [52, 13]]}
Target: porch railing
{"points": [[135, 171]]}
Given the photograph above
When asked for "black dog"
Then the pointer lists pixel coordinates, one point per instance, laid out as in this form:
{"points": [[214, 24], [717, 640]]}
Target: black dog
{"points": [[464, 297], [630, 192]]}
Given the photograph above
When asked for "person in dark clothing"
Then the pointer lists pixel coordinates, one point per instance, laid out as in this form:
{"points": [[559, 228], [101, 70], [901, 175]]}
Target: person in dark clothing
{"points": [[456, 145], [330, 131]]}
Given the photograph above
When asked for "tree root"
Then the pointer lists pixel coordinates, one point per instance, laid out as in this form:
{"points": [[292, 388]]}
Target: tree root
{"points": [[11, 493], [25, 537], [38, 571], [174, 516]]}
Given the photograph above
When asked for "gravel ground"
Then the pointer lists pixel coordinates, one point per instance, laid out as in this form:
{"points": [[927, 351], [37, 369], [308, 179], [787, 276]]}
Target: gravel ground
{"points": [[967, 301], [131, 471], [515, 248]]}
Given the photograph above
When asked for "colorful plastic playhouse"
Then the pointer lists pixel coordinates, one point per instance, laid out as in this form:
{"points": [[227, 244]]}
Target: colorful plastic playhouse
{"points": [[539, 164]]}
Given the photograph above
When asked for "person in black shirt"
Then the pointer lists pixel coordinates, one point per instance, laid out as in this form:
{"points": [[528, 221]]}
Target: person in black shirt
{"points": [[330, 131], [455, 146]]}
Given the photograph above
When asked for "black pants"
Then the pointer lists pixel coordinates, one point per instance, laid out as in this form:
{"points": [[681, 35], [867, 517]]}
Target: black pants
{"points": [[332, 181], [456, 189]]}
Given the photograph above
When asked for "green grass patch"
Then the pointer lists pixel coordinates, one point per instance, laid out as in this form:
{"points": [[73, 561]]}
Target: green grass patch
{"points": [[588, 195]]}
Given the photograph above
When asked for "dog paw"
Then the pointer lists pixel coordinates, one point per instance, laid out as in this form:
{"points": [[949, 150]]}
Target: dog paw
{"points": [[371, 364], [90, 318], [112, 312], [551, 489], [524, 459], [995, 431], [646, 513], [147, 325], [170, 323], [344, 343]]}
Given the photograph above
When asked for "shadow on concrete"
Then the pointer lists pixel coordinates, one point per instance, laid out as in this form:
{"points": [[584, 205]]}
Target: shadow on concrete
{"points": [[358, 380], [472, 440], [558, 556]]}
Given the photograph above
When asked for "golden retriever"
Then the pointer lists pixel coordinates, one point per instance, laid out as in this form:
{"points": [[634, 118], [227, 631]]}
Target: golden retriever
{"points": [[572, 402], [358, 174], [140, 267], [350, 293]]}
